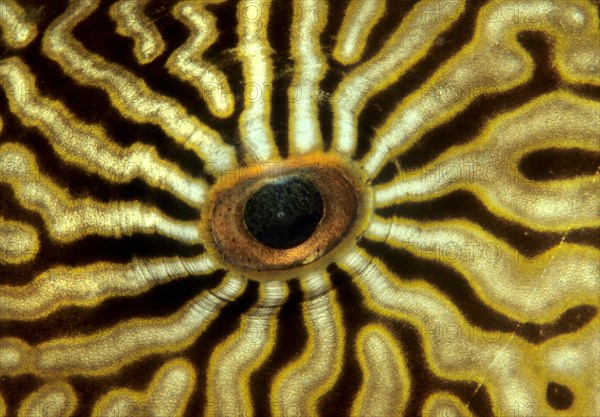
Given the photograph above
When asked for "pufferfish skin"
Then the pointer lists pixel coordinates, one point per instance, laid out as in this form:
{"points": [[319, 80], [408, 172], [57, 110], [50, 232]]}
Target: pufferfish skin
{"points": [[289, 208]]}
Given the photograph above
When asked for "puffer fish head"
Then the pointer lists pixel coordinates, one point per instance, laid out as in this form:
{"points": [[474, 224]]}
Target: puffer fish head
{"points": [[299, 208]]}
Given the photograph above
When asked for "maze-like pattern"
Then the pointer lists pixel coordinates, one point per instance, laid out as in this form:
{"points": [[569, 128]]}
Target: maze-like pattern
{"points": [[471, 290]]}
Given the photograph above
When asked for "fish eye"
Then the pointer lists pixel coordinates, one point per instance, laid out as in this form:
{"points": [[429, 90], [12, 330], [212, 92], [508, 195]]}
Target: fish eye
{"points": [[286, 217]]}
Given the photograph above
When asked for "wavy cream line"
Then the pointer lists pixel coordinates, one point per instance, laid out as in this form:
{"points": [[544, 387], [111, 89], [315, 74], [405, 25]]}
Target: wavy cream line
{"points": [[129, 94], [87, 145], [471, 74], [108, 350], [69, 219]]}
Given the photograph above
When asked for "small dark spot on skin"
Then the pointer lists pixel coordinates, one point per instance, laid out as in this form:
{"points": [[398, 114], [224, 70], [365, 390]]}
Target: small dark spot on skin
{"points": [[560, 397]]}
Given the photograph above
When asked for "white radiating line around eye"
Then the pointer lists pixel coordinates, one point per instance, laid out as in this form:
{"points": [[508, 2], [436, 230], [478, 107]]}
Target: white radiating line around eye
{"points": [[300, 385], [89, 285], [232, 363], [187, 62], [309, 69], [490, 166], [69, 219], [255, 53], [500, 275], [132, 22], [18, 243], [409, 43], [454, 348], [128, 93], [88, 146], [107, 350], [18, 29], [359, 19], [166, 396], [52, 400], [494, 62], [386, 381]]}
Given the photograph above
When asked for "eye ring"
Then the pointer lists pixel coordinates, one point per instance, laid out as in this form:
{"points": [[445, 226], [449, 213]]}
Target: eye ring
{"points": [[344, 205]]}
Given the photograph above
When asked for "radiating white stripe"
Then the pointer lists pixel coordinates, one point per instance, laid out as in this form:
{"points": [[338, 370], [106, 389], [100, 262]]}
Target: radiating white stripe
{"points": [[359, 19], [255, 53], [124, 343], [309, 69], [87, 145], [129, 94], [407, 44], [69, 219], [300, 385], [490, 166], [492, 63], [501, 275], [88, 285], [470, 352], [233, 362]]}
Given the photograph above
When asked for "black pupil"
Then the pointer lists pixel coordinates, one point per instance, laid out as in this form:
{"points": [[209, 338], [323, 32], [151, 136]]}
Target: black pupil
{"points": [[284, 213]]}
